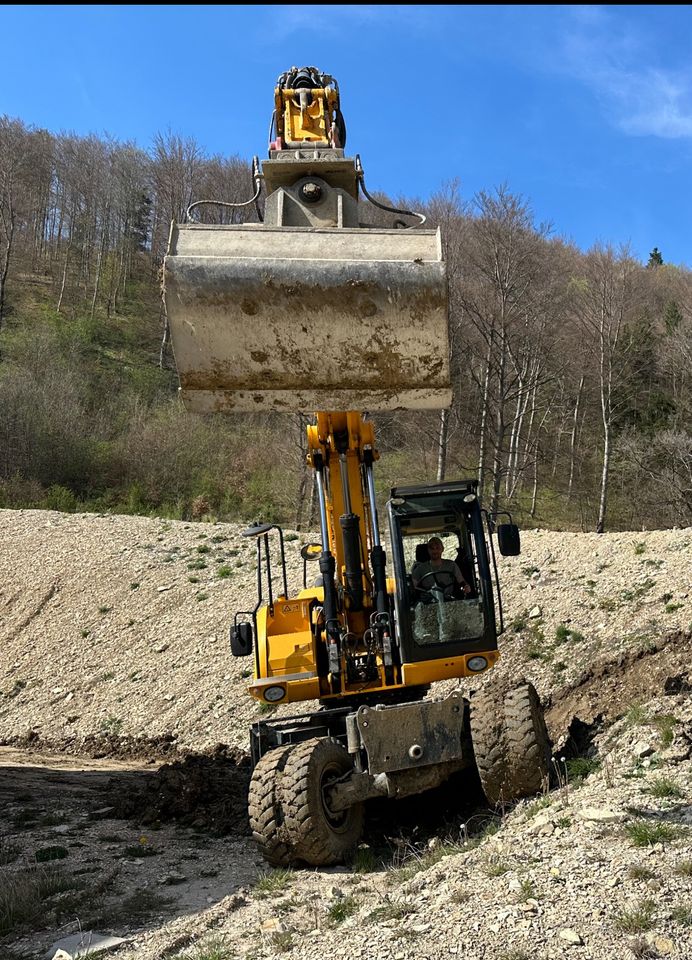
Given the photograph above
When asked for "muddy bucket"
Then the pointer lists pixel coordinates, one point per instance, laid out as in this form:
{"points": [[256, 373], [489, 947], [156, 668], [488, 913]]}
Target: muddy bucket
{"points": [[296, 318]]}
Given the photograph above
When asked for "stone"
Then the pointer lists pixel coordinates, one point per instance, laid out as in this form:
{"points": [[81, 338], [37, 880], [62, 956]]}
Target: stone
{"points": [[601, 815], [642, 749], [571, 937], [272, 925], [85, 943], [534, 613], [172, 879]]}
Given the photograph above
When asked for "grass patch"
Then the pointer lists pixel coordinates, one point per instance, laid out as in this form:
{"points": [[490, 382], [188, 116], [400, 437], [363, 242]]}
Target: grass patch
{"points": [[391, 910], [579, 768], [563, 634], [663, 787], [684, 868], [272, 882], [636, 716], [215, 949], [526, 890], [646, 834], [224, 571], [636, 919], [365, 861], [672, 607], [23, 896], [638, 872], [111, 724], [9, 851], [665, 724], [682, 914], [639, 548], [48, 854], [342, 908], [538, 805]]}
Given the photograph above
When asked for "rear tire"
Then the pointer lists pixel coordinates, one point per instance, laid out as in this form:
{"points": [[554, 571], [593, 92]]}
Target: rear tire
{"points": [[510, 742], [489, 742], [317, 835], [529, 744], [265, 810]]}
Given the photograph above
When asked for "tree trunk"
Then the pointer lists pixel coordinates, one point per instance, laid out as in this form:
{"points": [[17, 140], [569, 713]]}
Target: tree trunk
{"points": [[484, 424], [573, 439], [600, 525], [64, 279], [442, 445], [5, 266]]}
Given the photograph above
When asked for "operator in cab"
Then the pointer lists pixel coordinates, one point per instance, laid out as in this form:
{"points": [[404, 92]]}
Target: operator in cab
{"points": [[437, 573]]}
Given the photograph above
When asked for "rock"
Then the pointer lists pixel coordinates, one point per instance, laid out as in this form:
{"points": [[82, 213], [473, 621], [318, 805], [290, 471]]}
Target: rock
{"points": [[601, 815], [334, 893], [571, 937], [534, 613], [172, 879], [82, 944], [161, 647], [272, 925], [642, 749]]}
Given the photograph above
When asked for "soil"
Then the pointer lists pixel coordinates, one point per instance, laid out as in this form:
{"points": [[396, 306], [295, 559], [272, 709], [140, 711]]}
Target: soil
{"points": [[125, 772]]}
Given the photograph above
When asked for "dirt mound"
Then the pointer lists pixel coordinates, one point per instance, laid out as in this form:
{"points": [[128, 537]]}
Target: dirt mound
{"points": [[206, 791], [609, 688]]}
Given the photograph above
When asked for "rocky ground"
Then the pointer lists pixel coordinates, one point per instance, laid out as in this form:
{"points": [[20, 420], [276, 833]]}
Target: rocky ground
{"points": [[114, 638]]}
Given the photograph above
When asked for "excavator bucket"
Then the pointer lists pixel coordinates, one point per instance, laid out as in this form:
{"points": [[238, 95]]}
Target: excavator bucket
{"points": [[296, 318]]}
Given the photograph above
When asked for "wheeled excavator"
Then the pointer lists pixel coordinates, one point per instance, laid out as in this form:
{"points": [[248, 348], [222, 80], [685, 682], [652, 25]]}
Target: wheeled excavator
{"points": [[307, 310]]}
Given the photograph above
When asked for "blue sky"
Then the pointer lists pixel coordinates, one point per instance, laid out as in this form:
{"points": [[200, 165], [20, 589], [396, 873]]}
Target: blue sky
{"points": [[586, 111]]}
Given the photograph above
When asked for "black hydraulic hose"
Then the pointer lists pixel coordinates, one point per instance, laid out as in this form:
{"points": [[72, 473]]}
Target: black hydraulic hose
{"points": [[257, 179], [360, 174]]}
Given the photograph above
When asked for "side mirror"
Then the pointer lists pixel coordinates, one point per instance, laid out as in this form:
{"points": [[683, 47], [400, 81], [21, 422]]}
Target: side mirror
{"points": [[241, 639], [311, 551], [508, 539]]}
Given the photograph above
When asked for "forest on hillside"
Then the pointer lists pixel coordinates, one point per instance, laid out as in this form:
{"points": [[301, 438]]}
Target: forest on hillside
{"points": [[572, 371]]}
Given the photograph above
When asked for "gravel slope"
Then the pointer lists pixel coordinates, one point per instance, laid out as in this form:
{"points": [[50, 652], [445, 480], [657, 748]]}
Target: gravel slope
{"points": [[113, 624], [117, 626]]}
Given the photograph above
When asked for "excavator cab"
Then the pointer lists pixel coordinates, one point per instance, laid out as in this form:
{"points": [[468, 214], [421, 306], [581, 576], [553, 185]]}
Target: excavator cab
{"points": [[435, 617]]}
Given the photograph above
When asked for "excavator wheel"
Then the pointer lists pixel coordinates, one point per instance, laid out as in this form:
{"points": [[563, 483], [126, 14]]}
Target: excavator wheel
{"points": [[317, 835], [264, 808], [529, 744], [489, 742], [510, 741]]}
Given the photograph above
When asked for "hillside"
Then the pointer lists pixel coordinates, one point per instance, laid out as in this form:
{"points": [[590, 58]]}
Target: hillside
{"points": [[114, 636]]}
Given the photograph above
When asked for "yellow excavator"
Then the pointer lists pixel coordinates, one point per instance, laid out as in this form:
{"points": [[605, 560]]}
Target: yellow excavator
{"points": [[311, 310]]}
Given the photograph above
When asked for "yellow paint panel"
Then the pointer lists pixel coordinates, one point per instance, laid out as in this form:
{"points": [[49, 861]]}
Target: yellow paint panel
{"points": [[428, 671]]}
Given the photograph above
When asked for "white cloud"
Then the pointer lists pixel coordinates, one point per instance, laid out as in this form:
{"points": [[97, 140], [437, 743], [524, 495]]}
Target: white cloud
{"points": [[611, 56]]}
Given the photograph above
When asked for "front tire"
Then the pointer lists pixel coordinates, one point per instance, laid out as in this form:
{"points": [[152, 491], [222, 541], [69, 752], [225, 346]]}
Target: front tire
{"points": [[265, 809], [317, 835]]}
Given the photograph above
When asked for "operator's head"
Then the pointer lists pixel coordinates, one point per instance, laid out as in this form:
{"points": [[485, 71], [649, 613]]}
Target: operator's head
{"points": [[435, 548]]}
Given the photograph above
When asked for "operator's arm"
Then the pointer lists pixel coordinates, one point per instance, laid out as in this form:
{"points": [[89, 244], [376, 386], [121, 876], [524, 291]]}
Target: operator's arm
{"points": [[460, 579]]}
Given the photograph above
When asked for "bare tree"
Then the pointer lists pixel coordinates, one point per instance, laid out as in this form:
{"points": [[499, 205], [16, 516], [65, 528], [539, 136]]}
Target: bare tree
{"points": [[604, 304]]}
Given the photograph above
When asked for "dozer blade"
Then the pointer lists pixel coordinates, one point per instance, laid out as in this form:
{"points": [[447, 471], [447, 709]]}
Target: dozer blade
{"points": [[297, 318]]}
